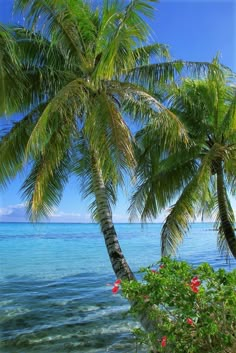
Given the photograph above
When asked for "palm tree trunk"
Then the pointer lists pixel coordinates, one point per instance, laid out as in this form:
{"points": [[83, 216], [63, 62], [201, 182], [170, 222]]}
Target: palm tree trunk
{"points": [[227, 226], [118, 261]]}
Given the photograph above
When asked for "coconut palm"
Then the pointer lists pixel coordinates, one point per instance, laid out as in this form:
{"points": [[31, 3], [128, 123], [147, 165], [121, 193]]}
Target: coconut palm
{"points": [[86, 69], [200, 176]]}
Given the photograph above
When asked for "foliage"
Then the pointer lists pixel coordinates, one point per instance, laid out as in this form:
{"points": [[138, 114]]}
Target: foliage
{"points": [[11, 77], [192, 310], [88, 70], [198, 177], [82, 66]]}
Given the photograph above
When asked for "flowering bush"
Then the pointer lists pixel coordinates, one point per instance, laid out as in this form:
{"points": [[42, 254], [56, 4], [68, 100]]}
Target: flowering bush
{"points": [[192, 310]]}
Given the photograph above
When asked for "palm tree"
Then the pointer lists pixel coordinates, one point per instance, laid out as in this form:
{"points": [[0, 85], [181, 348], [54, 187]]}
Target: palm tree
{"points": [[86, 71], [198, 176]]}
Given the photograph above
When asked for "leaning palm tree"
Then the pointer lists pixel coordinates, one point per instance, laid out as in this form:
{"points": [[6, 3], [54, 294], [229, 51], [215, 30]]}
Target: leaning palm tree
{"points": [[86, 69], [198, 176]]}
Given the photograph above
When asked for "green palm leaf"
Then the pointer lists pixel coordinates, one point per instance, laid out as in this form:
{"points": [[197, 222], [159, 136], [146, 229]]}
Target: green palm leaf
{"points": [[13, 146], [11, 77], [177, 222], [86, 167], [44, 185], [62, 109], [49, 173], [221, 240]]}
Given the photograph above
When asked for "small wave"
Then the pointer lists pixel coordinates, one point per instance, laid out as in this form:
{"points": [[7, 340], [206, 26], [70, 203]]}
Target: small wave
{"points": [[5, 302], [14, 312]]}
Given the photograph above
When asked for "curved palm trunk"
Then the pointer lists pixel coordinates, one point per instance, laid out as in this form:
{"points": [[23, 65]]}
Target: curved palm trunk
{"points": [[227, 226], [118, 261]]}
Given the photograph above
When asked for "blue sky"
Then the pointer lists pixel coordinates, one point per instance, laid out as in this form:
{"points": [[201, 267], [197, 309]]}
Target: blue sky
{"points": [[193, 30]]}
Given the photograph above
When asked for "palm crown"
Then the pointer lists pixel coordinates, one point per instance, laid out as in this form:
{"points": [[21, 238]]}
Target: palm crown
{"points": [[75, 68], [198, 174]]}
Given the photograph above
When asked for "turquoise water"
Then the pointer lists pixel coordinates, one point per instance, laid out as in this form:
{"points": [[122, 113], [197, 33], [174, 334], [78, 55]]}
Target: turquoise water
{"points": [[54, 295]]}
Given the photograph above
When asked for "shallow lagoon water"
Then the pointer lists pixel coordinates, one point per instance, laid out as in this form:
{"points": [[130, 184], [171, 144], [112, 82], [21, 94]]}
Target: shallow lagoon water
{"points": [[54, 296]]}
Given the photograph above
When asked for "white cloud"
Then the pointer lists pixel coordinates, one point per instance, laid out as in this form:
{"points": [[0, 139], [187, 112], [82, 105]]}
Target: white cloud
{"points": [[13, 211], [5, 211], [17, 213]]}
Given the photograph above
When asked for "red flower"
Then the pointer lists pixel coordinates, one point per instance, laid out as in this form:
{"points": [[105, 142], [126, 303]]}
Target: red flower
{"points": [[115, 289], [154, 271], [162, 266], [163, 341], [195, 289], [195, 281], [116, 286], [189, 321]]}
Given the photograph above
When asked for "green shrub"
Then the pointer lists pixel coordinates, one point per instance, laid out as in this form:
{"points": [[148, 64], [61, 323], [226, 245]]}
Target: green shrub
{"points": [[192, 310]]}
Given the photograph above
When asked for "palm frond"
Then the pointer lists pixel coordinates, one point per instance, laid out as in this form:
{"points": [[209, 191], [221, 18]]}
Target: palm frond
{"points": [[230, 178], [112, 140], [13, 146], [222, 243], [86, 167], [160, 176], [150, 76], [143, 106], [12, 81], [62, 109], [123, 28], [228, 125], [49, 173], [177, 222], [44, 185], [69, 23], [145, 54]]}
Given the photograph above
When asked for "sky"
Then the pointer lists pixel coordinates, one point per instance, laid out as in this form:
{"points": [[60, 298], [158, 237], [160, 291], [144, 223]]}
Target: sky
{"points": [[193, 30]]}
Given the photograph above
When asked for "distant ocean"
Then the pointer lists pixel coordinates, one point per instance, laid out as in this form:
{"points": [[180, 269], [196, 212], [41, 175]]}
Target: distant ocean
{"points": [[54, 295]]}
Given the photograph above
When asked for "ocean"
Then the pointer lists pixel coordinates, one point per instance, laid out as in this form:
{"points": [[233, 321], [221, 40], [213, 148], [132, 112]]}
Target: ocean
{"points": [[55, 295]]}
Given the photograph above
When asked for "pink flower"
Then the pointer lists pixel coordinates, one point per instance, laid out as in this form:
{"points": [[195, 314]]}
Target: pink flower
{"points": [[163, 341], [189, 321], [115, 289]]}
